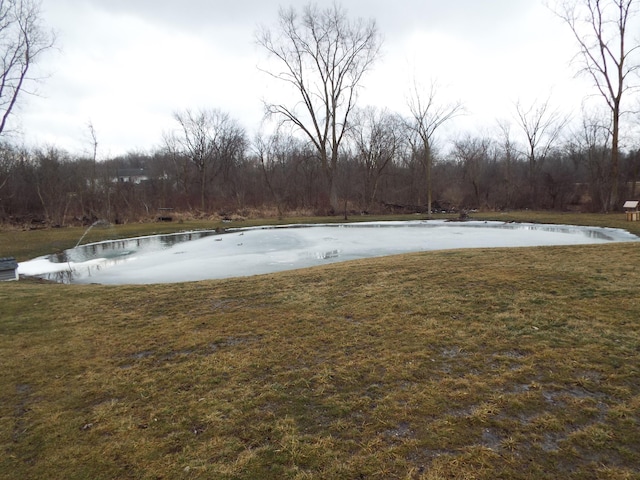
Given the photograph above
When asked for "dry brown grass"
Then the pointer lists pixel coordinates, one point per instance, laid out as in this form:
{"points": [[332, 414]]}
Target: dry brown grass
{"points": [[471, 364]]}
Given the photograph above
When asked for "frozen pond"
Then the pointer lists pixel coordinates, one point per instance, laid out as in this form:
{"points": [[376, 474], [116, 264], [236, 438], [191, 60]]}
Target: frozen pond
{"points": [[250, 251]]}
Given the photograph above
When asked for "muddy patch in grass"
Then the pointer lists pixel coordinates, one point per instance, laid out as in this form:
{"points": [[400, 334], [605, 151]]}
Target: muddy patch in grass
{"points": [[157, 357]]}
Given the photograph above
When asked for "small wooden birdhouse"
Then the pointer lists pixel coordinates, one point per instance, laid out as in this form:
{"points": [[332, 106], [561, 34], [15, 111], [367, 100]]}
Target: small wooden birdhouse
{"points": [[631, 209]]}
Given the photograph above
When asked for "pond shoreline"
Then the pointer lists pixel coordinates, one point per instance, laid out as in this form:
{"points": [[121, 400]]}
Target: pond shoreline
{"points": [[245, 251]]}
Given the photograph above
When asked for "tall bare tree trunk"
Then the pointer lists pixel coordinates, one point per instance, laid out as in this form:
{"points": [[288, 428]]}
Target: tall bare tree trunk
{"points": [[323, 56], [600, 29]]}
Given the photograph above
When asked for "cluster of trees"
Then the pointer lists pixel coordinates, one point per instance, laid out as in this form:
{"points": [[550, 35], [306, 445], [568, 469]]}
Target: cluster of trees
{"points": [[381, 168], [329, 156]]}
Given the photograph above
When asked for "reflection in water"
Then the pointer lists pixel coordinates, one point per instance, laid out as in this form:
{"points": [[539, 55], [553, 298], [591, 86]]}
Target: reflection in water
{"points": [[64, 276], [111, 252], [114, 249], [587, 232]]}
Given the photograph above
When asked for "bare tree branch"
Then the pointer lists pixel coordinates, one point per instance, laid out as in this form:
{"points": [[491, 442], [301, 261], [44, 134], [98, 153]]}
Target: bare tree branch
{"points": [[324, 56], [541, 126], [601, 30], [212, 141], [22, 42], [427, 116]]}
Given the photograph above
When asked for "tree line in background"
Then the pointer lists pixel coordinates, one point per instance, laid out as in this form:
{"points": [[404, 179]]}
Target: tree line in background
{"points": [[380, 170], [327, 156]]}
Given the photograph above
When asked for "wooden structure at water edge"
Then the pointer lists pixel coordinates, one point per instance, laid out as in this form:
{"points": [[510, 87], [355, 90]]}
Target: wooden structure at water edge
{"points": [[8, 269], [631, 209]]}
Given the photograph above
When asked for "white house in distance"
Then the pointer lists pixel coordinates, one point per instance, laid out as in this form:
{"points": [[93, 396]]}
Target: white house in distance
{"points": [[131, 175]]}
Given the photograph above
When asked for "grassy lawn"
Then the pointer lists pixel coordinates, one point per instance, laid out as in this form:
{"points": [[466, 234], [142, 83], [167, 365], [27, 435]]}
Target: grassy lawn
{"points": [[469, 364]]}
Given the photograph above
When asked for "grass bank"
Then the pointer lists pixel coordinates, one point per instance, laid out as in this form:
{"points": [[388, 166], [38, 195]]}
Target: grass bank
{"points": [[493, 363]]}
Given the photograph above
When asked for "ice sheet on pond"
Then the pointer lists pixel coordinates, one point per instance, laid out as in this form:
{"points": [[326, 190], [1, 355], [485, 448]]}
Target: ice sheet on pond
{"points": [[206, 255]]}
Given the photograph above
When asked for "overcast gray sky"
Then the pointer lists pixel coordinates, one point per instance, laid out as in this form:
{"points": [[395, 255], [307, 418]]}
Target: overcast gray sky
{"points": [[127, 65]]}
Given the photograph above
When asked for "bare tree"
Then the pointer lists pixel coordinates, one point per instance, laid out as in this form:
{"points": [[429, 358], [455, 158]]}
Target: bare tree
{"points": [[590, 147], [474, 154], [22, 42], [52, 183], [510, 156], [275, 154], [601, 30], [541, 127], [92, 140], [181, 171], [7, 160], [323, 55], [377, 136], [212, 141], [427, 116]]}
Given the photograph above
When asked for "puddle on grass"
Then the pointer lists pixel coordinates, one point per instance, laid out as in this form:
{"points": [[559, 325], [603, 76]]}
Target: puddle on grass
{"points": [[209, 254], [201, 350]]}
